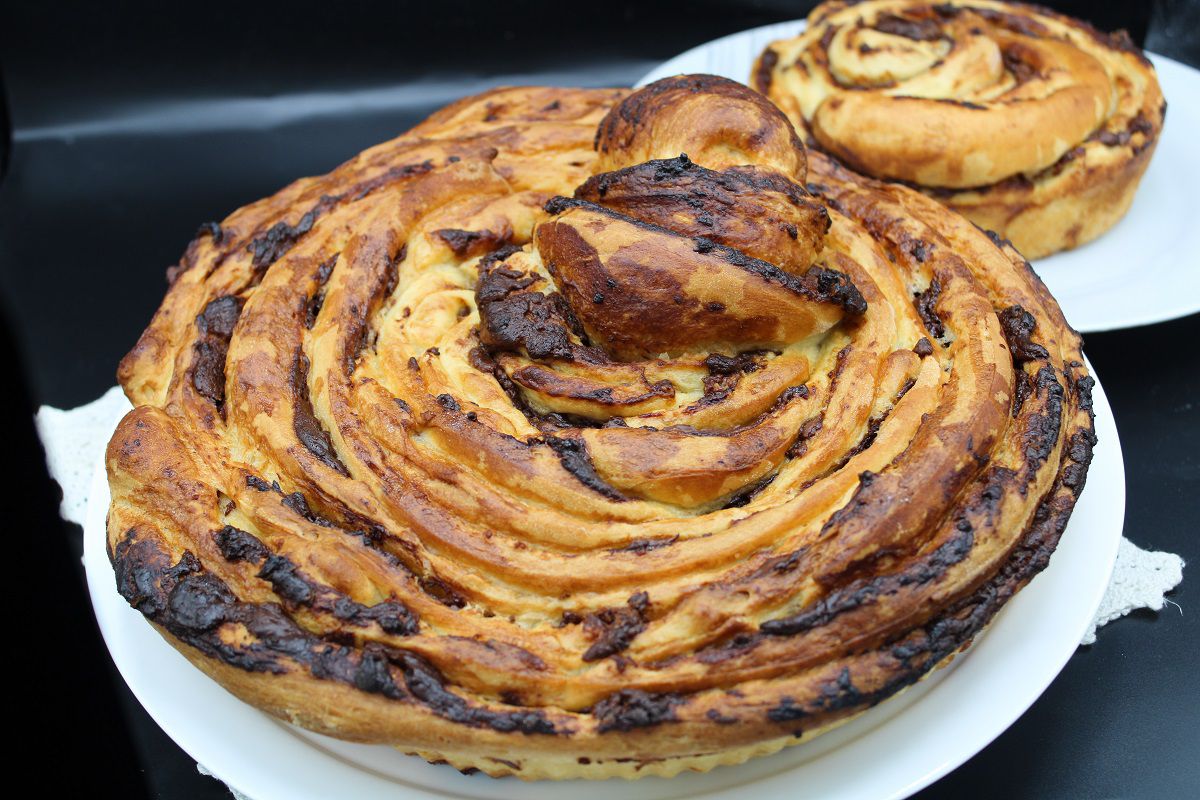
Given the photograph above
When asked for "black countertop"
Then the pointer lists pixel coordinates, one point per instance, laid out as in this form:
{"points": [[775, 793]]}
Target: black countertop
{"points": [[131, 125]]}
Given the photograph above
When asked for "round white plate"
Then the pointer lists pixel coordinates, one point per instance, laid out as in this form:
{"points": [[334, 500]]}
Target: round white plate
{"points": [[890, 751], [1145, 269]]}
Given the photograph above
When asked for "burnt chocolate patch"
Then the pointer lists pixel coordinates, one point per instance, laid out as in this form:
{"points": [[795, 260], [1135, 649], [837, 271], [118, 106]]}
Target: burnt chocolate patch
{"points": [[1022, 389], [718, 364], [238, 545], [918, 249], [298, 589], [918, 30], [212, 230], [724, 374], [926, 304], [470, 243], [214, 328], [744, 495], [257, 483], [1016, 64], [787, 710], [298, 504], [573, 455], [1079, 450], [281, 237], [441, 591], [863, 591], [514, 318], [615, 628], [192, 605], [1111, 138], [746, 208], [285, 579], [1018, 325], [1041, 433], [818, 283], [392, 616], [629, 709], [426, 684], [808, 430]]}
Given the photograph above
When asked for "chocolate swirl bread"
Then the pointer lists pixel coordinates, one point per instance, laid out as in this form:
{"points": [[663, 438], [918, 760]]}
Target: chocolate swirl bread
{"points": [[572, 434], [1029, 123]]}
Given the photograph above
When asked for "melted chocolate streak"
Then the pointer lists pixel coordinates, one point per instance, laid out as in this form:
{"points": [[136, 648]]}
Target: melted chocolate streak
{"points": [[615, 628], [193, 605], [573, 455], [214, 327], [277, 240], [305, 424], [293, 586]]}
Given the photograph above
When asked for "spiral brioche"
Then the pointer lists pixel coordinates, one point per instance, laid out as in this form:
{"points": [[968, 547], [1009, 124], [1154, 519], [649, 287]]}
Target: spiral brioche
{"points": [[1029, 123], [555, 461]]}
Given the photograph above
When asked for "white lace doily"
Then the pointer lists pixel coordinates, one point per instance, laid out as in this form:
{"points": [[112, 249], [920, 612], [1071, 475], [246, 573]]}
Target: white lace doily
{"points": [[74, 441], [1140, 579]]}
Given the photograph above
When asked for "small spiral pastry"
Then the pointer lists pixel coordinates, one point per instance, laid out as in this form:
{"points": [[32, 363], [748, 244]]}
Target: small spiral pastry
{"points": [[574, 434], [1029, 123]]}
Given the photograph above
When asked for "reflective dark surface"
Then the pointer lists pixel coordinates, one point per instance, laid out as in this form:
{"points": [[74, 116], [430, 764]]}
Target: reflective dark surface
{"points": [[134, 123]]}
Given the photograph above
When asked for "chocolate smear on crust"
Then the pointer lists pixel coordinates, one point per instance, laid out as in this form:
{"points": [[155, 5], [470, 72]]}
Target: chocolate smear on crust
{"points": [[926, 305], [919, 30], [573, 455], [615, 628], [515, 319], [214, 326], [305, 425], [632, 708]]}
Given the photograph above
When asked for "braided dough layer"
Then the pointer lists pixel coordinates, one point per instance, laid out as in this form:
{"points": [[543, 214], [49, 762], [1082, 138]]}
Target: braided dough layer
{"points": [[1029, 123], [526, 442]]}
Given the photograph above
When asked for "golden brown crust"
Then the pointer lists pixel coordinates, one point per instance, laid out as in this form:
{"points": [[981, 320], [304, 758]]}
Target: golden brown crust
{"points": [[1029, 123], [429, 452]]}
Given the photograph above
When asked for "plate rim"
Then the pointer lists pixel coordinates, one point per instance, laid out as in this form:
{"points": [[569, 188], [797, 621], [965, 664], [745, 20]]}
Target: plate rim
{"points": [[1187, 303], [321, 767]]}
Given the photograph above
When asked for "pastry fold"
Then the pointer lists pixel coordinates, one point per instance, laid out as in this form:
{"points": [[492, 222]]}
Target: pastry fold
{"points": [[582, 433]]}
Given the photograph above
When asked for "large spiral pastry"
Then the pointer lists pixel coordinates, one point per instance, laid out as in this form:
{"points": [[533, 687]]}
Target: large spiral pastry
{"points": [[1029, 123], [555, 461]]}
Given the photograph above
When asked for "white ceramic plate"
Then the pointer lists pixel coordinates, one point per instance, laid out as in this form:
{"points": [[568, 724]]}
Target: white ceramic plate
{"points": [[1145, 269], [889, 752]]}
